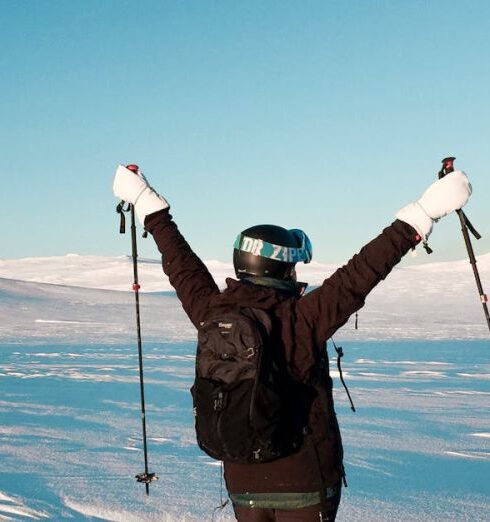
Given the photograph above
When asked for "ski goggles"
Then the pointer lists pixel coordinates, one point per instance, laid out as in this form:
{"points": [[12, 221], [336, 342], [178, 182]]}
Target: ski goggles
{"points": [[284, 254]]}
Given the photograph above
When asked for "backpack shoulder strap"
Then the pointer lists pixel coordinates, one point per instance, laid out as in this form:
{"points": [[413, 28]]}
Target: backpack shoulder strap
{"points": [[260, 316]]}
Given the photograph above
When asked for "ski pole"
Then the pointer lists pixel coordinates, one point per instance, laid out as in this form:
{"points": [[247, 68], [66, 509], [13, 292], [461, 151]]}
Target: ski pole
{"points": [[144, 477], [447, 167]]}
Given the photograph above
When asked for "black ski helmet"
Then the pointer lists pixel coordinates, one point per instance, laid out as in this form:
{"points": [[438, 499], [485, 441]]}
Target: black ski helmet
{"points": [[270, 251]]}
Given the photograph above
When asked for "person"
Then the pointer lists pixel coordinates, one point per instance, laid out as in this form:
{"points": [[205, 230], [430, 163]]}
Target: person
{"points": [[306, 485]]}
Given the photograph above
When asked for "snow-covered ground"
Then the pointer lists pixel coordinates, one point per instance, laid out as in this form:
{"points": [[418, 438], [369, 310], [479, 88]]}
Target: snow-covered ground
{"points": [[417, 449], [435, 300], [115, 273]]}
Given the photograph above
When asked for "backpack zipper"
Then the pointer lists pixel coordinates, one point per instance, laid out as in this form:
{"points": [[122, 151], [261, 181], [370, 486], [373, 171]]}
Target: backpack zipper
{"points": [[219, 403], [255, 384]]}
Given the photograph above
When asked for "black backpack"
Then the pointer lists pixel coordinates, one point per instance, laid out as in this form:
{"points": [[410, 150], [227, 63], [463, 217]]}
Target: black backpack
{"points": [[248, 408]]}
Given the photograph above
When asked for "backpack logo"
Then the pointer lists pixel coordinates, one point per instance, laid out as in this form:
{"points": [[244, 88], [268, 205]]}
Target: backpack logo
{"points": [[227, 326]]}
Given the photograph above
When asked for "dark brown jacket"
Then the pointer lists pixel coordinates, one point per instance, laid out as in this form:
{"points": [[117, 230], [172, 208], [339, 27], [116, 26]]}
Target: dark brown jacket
{"points": [[300, 328]]}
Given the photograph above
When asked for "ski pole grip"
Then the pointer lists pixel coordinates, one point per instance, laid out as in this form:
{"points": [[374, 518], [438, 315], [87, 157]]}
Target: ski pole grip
{"points": [[132, 167], [447, 166]]}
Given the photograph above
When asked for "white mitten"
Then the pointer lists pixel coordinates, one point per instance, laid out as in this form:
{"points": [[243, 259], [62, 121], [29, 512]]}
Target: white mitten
{"points": [[133, 188], [443, 197]]}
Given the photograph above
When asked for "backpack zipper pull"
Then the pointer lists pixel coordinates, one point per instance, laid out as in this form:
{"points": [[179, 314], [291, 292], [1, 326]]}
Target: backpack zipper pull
{"points": [[219, 402]]}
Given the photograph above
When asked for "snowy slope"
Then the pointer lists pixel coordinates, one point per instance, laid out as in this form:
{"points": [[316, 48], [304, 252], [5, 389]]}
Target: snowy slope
{"points": [[34, 312], [417, 449], [116, 273], [77, 297]]}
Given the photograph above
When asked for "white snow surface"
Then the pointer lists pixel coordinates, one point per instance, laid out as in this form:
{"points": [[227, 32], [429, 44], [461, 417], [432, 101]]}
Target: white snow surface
{"points": [[434, 300], [69, 385]]}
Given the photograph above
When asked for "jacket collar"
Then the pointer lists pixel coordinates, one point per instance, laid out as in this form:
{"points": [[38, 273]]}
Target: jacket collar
{"points": [[253, 294], [292, 288]]}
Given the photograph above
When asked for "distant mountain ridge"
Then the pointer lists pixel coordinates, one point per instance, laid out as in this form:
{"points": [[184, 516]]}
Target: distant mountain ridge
{"points": [[115, 273], [80, 297]]}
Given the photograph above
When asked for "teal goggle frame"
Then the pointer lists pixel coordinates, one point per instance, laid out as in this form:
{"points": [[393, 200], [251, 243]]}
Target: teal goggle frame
{"points": [[259, 247]]}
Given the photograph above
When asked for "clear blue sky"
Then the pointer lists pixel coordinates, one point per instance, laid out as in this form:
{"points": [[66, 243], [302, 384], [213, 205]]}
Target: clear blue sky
{"points": [[322, 115]]}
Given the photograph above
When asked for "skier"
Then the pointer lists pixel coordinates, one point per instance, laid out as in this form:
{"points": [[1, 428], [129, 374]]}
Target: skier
{"points": [[306, 485]]}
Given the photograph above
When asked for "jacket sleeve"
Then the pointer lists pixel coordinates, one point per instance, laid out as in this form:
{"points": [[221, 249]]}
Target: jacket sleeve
{"points": [[329, 307], [186, 272]]}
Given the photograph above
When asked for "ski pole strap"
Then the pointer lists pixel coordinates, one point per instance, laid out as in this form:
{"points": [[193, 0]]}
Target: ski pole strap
{"points": [[447, 168], [470, 227], [122, 227], [427, 248], [340, 354], [120, 210]]}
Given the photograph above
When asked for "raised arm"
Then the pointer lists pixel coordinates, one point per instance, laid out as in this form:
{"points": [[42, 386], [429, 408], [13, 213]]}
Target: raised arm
{"points": [[187, 273], [344, 292], [330, 306]]}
